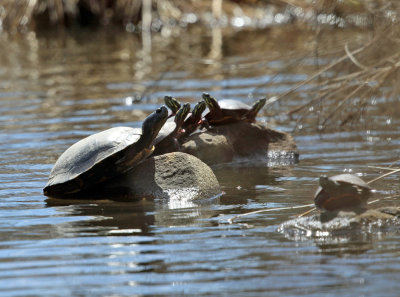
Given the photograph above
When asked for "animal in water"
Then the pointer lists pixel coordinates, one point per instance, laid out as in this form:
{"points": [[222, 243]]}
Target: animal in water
{"points": [[193, 119], [341, 191], [173, 104], [104, 155], [230, 111], [167, 139]]}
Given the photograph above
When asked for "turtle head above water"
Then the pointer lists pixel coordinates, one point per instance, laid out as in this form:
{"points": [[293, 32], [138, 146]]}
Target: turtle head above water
{"points": [[172, 104], [211, 103], [153, 123], [323, 179], [258, 105], [198, 110], [326, 183], [181, 114]]}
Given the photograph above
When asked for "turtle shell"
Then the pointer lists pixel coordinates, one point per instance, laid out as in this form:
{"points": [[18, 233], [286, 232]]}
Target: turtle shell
{"points": [[341, 191], [93, 160], [241, 109], [230, 111], [235, 105], [166, 131], [103, 155]]}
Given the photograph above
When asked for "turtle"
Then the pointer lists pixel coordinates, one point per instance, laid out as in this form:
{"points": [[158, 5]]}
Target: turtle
{"points": [[193, 119], [104, 155], [341, 191], [230, 111], [167, 139], [172, 104]]}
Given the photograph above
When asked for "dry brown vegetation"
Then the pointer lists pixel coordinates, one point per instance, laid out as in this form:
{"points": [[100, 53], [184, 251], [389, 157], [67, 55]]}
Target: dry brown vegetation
{"points": [[362, 72], [29, 14], [359, 72]]}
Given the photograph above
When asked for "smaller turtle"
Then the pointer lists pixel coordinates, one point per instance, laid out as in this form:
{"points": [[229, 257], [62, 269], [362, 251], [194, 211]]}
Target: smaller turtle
{"points": [[341, 191], [172, 104], [230, 111], [104, 155], [193, 119], [167, 139]]}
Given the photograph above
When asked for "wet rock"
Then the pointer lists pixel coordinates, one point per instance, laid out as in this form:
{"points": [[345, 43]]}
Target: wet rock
{"points": [[344, 218], [226, 143], [209, 147], [352, 224], [176, 176]]}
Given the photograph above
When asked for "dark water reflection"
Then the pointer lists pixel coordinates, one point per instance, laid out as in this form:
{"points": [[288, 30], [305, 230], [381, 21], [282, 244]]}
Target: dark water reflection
{"points": [[54, 90]]}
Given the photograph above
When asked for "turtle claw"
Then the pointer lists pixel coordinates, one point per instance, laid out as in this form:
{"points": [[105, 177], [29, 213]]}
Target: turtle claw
{"points": [[204, 124]]}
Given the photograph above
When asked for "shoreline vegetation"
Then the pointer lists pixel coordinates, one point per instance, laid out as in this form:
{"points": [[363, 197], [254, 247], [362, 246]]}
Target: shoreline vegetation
{"points": [[349, 77], [133, 15]]}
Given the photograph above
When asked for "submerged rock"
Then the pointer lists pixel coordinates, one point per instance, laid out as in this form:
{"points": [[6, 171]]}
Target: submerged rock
{"points": [[175, 176], [242, 140], [351, 224]]}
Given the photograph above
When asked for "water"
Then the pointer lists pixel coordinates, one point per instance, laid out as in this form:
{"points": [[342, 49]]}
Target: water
{"points": [[54, 90]]}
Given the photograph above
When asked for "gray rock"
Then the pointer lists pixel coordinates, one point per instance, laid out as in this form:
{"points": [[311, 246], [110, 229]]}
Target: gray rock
{"points": [[176, 176], [242, 140], [209, 147]]}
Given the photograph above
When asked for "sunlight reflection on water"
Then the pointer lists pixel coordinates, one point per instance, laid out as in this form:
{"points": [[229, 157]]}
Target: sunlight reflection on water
{"points": [[97, 248]]}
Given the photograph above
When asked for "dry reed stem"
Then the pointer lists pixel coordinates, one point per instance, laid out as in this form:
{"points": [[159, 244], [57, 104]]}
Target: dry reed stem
{"points": [[230, 221], [383, 175], [318, 73], [377, 64], [383, 168]]}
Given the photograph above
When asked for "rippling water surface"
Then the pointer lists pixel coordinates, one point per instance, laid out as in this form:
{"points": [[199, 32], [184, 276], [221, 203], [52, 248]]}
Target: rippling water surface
{"points": [[55, 90]]}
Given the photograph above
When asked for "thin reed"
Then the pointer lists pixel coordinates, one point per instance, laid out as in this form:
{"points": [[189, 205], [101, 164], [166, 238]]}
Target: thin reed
{"points": [[351, 76]]}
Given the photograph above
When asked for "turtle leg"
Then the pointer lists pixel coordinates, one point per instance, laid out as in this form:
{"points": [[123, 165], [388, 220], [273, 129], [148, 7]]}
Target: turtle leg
{"points": [[204, 124], [176, 145]]}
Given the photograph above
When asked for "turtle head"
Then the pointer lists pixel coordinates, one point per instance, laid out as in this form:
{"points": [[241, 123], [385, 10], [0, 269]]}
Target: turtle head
{"points": [[198, 110], [323, 179], [259, 104], [182, 114], [172, 104], [211, 103], [327, 183], [152, 125], [251, 115]]}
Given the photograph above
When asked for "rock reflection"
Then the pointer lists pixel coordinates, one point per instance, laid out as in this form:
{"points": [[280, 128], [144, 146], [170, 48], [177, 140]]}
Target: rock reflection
{"points": [[107, 216], [242, 182], [111, 217], [181, 212]]}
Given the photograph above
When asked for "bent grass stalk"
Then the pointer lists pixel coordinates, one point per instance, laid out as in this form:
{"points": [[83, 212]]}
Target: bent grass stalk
{"points": [[230, 221]]}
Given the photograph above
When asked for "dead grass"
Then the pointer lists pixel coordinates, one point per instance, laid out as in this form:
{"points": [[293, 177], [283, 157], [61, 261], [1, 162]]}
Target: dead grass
{"points": [[44, 14], [339, 93], [351, 81]]}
